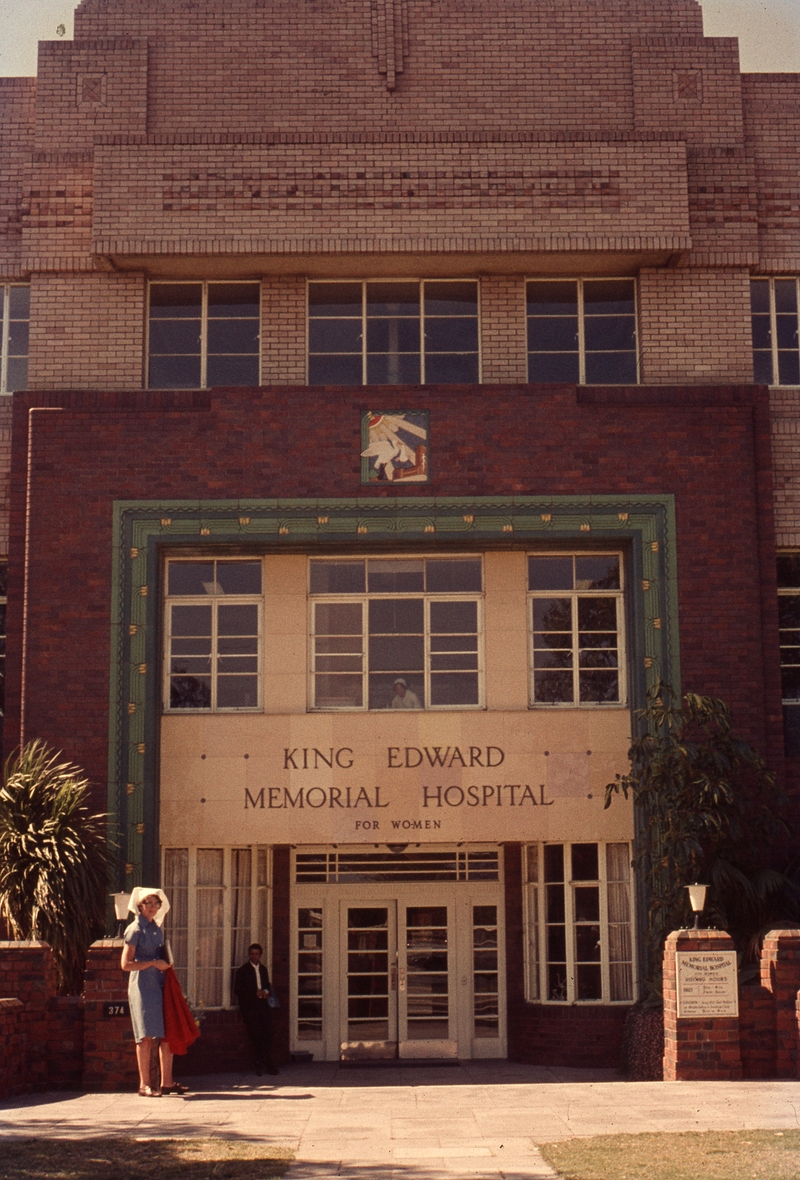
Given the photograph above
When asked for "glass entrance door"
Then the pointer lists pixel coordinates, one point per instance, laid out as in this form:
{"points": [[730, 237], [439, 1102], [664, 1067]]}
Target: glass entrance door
{"points": [[397, 981]]}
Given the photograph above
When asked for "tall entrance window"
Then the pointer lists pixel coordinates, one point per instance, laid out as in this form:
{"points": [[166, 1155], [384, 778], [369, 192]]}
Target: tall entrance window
{"points": [[203, 334], [579, 908], [219, 904], [393, 333]]}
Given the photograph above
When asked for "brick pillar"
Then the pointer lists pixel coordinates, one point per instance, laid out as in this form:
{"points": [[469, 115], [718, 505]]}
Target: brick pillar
{"points": [[109, 1052], [28, 973], [697, 1049], [780, 974]]}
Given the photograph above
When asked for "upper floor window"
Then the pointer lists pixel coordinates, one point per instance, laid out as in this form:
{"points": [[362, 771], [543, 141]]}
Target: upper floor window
{"points": [[396, 633], [15, 312], [393, 333], [213, 635], [582, 331], [776, 356], [576, 621], [203, 334]]}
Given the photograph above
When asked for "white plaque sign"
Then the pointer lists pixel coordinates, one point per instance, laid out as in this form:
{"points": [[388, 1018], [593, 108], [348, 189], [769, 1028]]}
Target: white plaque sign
{"points": [[707, 984]]}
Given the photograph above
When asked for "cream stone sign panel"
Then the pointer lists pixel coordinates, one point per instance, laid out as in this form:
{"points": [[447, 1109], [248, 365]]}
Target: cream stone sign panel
{"points": [[707, 984], [374, 778]]}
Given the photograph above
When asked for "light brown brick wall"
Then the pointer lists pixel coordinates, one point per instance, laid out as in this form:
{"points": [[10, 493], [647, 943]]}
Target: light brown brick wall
{"points": [[17, 98], [283, 330], [87, 331], [504, 356], [694, 326]]}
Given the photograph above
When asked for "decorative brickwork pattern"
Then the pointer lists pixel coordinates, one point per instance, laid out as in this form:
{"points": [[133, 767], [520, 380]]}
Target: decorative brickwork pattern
{"points": [[17, 99], [697, 1049], [772, 135]]}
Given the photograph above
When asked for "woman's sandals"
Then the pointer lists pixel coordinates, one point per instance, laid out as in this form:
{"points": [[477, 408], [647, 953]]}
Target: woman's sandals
{"points": [[175, 1088], [149, 1092]]}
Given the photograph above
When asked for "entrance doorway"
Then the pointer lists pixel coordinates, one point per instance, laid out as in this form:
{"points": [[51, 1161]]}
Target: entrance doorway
{"points": [[390, 968]]}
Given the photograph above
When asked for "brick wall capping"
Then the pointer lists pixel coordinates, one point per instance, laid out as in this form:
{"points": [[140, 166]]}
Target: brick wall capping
{"points": [[698, 936], [11, 1002], [23, 944], [104, 944]]}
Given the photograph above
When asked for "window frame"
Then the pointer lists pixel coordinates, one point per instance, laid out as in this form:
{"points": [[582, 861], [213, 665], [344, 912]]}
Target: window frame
{"points": [[204, 284], [581, 349], [619, 595], [214, 601], [775, 349], [394, 279], [477, 596], [535, 919], [5, 332], [260, 929]]}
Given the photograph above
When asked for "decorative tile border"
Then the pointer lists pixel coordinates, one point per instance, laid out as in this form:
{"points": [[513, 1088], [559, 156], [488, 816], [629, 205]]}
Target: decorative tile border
{"points": [[144, 529]]}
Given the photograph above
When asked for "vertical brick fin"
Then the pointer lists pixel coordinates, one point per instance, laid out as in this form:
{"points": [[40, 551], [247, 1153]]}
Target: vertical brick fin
{"points": [[389, 37]]}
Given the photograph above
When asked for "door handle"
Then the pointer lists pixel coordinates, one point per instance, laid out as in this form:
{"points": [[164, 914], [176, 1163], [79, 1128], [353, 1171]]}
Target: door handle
{"points": [[393, 977], [402, 979]]}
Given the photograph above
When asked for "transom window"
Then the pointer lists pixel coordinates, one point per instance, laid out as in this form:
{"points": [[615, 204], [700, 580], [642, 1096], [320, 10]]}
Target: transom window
{"points": [[393, 333], [582, 331], [15, 304], [213, 635], [576, 621], [776, 353], [203, 334], [396, 633], [578, 907]]}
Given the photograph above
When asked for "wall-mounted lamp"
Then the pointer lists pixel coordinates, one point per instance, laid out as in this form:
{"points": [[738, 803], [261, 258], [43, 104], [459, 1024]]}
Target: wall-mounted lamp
{"points": [[121, 910], [397, 848], [697, 900]]}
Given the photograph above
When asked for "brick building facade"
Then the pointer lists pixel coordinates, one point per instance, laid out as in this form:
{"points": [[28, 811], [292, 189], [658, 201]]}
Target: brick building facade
{"points": [[386, 346]]}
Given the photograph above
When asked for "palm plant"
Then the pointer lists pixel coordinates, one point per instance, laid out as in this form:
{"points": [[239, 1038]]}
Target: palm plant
{"points": [[53, 859], [712, 813]]}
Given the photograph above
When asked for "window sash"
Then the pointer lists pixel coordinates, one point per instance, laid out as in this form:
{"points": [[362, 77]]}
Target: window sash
{"points": [[212, 922], [775, 330], [616, 958], [13, 356], [469, 651], [582, 348], [202, 352], [576, 667], [427, 355]]}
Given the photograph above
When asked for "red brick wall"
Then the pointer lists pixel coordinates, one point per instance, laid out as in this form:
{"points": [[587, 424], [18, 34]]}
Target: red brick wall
{"points": [[13, 1048], [757, 1031], [705, 445], [109, 1050]]}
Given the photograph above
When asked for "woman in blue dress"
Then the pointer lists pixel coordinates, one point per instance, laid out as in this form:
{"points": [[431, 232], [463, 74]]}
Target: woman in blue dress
{"points": [[144, 958]]}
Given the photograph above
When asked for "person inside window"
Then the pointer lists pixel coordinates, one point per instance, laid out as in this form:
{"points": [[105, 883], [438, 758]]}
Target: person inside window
{"points": [[404, 697]]}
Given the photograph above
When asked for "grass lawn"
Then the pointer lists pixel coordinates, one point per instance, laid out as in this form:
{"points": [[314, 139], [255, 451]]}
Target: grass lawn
{"points": [[691, 1155], [124, 1158]]}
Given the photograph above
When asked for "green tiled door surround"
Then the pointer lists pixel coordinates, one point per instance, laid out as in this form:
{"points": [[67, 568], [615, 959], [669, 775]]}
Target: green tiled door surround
{"points": [[143, 529]]}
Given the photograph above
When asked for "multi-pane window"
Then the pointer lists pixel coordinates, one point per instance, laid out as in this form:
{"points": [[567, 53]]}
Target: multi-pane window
{"points": [[576, 620], [579, 912], [15, 314], [789, 633], [393, 333], [203, 334], [776, 353], [219, 905], [582, 331], [396, 633], [213, 635]]}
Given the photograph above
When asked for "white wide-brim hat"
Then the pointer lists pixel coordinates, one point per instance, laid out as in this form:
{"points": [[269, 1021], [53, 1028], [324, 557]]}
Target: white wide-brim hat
{"points": [[140, 893]]}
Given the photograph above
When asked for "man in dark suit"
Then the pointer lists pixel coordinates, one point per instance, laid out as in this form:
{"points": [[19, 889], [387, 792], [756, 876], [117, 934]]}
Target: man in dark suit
{"points": [[251, 987]]}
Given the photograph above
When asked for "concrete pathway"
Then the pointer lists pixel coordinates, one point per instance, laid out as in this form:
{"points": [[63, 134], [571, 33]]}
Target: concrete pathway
{"points": [[478, 1120]]}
